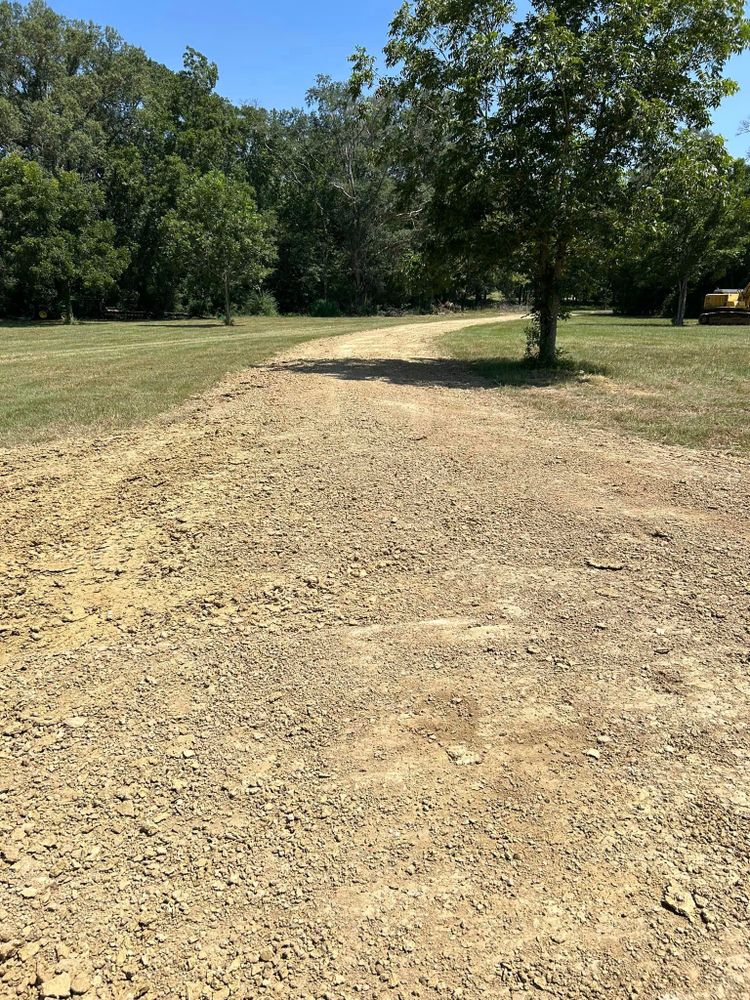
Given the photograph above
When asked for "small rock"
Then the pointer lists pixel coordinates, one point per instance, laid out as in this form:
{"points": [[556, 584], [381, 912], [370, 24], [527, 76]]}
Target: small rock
{"points": [[10, 853], [613, 567], [80, 984], [58, 986], [463, 756], [593, 753], [7, 950], [679, 900], [76, 722], [29, 950]]}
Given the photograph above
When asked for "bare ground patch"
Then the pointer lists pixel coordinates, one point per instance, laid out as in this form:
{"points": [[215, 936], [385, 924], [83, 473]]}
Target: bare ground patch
{"points": [[350, 686]]}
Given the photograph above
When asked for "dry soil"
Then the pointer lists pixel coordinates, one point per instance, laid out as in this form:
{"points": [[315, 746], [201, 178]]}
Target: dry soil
{"points": [[358, 678]]}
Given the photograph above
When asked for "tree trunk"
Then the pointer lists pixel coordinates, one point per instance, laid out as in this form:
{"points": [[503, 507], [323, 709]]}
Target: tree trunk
{"points": [[548, 310], [227, 301], [360, 289], [68, 306], [548, 337], [547, 303], [682, 290]]}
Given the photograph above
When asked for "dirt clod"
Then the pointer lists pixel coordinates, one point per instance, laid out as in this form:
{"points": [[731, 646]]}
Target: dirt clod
{"points": [[56, 986], [679, 900]]}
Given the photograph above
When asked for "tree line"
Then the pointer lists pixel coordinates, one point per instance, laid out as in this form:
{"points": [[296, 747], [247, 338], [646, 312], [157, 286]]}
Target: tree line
{"points": [[559, 154]]}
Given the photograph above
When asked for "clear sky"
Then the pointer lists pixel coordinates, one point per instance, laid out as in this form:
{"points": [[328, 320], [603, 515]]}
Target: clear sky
{"points": [[270, 51]]}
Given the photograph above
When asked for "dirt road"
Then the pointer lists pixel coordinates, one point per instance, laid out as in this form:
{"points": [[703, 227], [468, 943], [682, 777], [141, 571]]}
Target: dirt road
{"points": [[357, 678]]}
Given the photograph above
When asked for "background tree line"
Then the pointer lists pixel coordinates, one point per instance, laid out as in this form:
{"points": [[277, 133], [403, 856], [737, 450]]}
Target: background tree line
{"points": [[554, 156]]}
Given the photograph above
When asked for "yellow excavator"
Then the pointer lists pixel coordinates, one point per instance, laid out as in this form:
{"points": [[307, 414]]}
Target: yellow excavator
{"points": [[726, 307]]}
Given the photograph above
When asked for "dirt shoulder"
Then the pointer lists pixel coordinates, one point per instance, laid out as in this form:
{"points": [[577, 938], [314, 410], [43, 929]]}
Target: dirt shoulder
{"points": [[353, 678]]}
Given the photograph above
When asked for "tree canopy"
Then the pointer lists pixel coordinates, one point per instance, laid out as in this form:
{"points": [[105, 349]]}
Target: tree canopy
{"points": [[560, 152], [220, 241], [538, 118], [688, 216]]}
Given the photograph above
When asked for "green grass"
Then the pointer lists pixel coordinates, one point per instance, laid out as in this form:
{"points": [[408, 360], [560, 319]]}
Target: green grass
{"points": [[643, 376], [57, 380]]}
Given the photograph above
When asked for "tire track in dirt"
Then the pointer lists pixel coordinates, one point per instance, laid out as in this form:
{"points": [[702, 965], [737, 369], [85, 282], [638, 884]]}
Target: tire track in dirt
{"points": [[314, 689]]}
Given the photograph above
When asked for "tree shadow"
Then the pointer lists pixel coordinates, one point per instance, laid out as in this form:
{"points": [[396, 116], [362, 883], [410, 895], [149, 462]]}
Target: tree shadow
{"points": [[8, 323], [172, 324], [110, 325], [442, 372], [647, 323]]}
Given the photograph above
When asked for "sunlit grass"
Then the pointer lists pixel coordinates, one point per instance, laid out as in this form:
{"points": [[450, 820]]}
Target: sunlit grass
{"points": [[687, 386], [96, 377]]}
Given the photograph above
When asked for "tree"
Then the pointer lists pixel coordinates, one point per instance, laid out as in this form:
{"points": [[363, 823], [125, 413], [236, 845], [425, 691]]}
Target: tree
{"points": [[56, 246], [222, 243], [689, 215], [68, 89], [536, 118], [182, 116], [344, 231]]}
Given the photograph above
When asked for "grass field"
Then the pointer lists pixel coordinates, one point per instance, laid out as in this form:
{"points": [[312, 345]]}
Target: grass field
{"points": [[56, 380], [688, 386]]}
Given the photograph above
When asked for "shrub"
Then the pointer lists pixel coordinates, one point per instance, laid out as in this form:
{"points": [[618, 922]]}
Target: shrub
{"points": [[325, 307], [261, 304]]}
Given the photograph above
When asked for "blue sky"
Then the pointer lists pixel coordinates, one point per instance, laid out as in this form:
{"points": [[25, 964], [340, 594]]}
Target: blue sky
{"points": [[269, 51]]}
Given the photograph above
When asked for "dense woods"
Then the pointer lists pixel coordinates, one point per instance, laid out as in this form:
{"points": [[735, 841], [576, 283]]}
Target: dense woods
{"points": [[557, 156]]}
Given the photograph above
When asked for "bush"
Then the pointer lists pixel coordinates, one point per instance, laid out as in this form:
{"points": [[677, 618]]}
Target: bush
{"points": [[325, 307], [261, 304]]}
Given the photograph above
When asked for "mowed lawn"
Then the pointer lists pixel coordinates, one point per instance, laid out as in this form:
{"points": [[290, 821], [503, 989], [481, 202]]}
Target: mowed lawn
{"points": [[99, 377], [687, 386]]}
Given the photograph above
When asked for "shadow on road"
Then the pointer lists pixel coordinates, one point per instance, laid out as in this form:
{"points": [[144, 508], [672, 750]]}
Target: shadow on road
{"points": [[439, 371]]}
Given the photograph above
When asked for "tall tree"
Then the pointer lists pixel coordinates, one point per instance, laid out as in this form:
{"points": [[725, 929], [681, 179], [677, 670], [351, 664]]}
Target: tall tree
{"points": [[221, 241], [56, 246], [344, 230], [69, 90], [688, 217], [536, 117]]}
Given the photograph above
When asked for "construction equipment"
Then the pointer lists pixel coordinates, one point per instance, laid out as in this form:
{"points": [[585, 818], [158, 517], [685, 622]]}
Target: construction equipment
{"points": [[726, 307]]}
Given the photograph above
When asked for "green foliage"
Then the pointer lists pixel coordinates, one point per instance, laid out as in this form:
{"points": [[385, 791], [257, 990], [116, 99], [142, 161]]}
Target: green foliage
{"points": [[260, 304], [506, 156], [532, 351], [688, 219], [58, 248], [536, 119], [345, 230], [325, 307], [219, 240], [65, 87], [533, 335]]}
